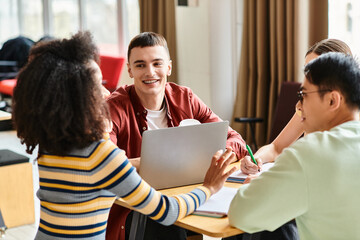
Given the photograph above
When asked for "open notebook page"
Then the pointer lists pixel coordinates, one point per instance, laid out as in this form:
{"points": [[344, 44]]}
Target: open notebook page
{"points": [[218, 204]]}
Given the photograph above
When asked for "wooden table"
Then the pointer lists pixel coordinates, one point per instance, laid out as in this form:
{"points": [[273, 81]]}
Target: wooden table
{"points": [[5, 121], [4, 116], [213, 227]]}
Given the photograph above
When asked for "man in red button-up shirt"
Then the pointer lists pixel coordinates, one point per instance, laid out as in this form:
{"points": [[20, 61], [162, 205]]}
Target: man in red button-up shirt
{"points": [[150, 103], [149, 65]]}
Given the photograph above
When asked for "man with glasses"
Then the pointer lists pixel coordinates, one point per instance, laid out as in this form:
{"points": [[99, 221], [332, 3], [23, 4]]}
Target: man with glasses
{"points": [[301, 93], [316, 180]]}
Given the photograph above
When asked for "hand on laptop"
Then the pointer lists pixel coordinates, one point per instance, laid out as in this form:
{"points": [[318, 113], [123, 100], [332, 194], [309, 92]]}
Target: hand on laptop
{"points": [[216, 174]]}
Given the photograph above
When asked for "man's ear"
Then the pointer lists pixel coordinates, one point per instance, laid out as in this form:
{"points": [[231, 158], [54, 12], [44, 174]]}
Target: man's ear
{"points": [[129, 70], [169, 68], [334, 99]]}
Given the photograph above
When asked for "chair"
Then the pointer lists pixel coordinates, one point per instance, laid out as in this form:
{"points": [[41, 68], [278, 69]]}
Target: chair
{"points": [[118, 216], [5, 119], [284, 110], [13, 56], [111, 68], [7, 86], [285, 107], [6, 92], [10, 74], [251, 122]]}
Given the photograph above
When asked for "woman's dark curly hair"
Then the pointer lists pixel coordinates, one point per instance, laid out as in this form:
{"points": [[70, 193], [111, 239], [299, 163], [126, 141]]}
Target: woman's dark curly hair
{"points": [[57, 103]]}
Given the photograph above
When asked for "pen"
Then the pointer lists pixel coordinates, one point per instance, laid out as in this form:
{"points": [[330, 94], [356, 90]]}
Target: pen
{"points": [[251, 155]]}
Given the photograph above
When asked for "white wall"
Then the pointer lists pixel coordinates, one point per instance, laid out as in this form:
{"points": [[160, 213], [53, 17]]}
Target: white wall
{"points": [[224, 54], [208, 41], [208, 52], [193, 44]]}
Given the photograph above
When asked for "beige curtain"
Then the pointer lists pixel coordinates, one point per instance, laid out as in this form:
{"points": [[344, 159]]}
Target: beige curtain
{"points": [[159, 16], [276, 34]]}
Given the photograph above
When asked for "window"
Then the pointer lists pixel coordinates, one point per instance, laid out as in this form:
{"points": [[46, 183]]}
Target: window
{"points": [[344, 19], [112, 22], [9, 25], [64, 15], [349, 17], [133, 17], [31, 21], [100, 17]]}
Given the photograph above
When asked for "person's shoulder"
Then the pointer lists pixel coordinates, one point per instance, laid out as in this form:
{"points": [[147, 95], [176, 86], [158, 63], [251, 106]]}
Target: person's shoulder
{"points": [[320, 143], [309, 141], [173, 88], [347, 128], [113, 151], [337, 133], [302, 148], [120, 95]]}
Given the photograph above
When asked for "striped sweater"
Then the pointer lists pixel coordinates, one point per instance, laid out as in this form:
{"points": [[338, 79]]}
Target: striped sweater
{"points": [[77, 191]]}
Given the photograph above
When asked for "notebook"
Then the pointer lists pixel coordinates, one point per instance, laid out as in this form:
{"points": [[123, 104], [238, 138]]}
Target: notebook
{"points": [[179, 156], [240, 177], [218, 204]]}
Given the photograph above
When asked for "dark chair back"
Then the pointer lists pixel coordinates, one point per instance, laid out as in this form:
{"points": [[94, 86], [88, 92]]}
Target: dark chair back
{"points": [[285, 107], [13, 56]]}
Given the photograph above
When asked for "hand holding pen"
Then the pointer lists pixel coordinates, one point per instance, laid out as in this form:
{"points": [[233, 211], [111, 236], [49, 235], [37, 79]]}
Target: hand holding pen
{"points": [[250, 165]]}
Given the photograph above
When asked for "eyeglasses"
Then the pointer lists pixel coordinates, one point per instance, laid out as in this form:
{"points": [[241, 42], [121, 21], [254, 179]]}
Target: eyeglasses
{"points": [[301, 93]]}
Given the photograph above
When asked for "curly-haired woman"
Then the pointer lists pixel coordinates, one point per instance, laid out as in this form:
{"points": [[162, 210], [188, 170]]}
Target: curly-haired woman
{"points": [[59, 106]]}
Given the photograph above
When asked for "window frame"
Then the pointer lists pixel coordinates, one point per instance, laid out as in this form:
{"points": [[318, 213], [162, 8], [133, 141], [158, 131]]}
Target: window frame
{"points": [[47, 21]]}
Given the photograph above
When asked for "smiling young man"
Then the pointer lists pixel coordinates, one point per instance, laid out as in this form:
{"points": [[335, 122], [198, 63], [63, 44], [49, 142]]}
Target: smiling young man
{"points": [[316, 180], [151, 103]]}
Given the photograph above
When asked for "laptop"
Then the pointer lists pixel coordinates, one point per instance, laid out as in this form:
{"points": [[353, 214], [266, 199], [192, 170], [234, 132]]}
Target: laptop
{"points": [[179, 156]]}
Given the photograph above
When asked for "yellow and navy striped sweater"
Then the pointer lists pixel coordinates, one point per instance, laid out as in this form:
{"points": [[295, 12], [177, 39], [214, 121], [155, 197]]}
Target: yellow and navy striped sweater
{"points": [[77, 191]]}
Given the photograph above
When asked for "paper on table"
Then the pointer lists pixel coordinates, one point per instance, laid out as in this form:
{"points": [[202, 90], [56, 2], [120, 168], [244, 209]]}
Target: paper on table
{"points": [[238, 176], [218, 204]]}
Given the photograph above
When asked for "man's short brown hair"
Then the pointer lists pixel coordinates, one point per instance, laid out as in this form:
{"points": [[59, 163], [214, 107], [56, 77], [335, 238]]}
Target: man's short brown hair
{"points": [[147, 39]]}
